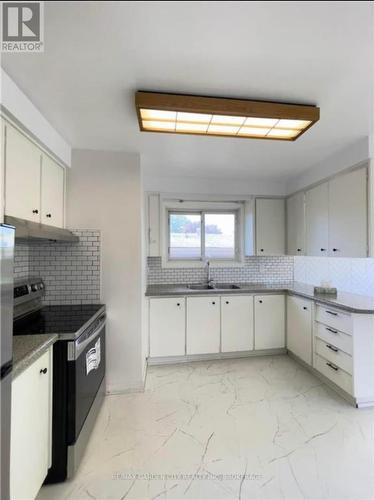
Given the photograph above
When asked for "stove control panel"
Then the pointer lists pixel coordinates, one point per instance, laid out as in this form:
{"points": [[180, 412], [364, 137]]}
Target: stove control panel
{"points": [[28, 289]]}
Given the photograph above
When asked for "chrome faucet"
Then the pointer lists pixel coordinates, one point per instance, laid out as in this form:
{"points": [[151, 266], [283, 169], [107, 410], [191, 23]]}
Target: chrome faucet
{"points": [[209, 280]]}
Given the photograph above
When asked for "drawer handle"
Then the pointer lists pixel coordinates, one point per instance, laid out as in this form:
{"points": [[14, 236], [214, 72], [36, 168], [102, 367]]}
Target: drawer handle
{"points": [[332, 313], [43, 370], [333, 367], [332, 348], [331, 330], [35, 211], [49, 215]]}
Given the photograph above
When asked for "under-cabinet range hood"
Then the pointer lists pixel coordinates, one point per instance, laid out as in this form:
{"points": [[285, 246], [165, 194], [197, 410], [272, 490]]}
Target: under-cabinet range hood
{"points": [[27, 230]]}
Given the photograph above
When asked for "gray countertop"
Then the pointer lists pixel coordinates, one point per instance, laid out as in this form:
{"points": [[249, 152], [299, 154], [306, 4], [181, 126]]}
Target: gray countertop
{"points": [[347, 301], [27, 349]]}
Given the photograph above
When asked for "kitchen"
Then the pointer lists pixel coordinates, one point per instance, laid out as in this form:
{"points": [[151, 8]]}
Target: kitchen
{"points": [[187, 273]]}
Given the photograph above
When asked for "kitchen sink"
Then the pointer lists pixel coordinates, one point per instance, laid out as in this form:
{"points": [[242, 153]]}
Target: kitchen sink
{"points": [[201, 287]]}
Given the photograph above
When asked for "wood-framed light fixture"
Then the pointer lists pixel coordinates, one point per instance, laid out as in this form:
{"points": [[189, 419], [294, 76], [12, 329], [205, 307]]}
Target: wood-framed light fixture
{"points": [[216, 116]]}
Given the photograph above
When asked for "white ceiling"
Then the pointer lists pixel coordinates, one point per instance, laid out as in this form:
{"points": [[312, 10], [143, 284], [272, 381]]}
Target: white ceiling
{"points": [[98, 53]]}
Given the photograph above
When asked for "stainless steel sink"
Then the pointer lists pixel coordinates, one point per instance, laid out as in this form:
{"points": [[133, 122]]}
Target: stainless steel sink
{"points": [[201, 287]]}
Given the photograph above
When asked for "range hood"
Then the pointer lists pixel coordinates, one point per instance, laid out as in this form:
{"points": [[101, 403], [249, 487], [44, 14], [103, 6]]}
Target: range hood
{"points": [[27, 230]]}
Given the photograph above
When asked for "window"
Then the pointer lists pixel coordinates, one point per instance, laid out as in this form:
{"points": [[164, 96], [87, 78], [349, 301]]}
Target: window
{"points": [[203, 235]]}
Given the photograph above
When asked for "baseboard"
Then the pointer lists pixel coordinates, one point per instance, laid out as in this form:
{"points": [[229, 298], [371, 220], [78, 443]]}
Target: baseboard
{"points": [[188, 358], [139, 387]]}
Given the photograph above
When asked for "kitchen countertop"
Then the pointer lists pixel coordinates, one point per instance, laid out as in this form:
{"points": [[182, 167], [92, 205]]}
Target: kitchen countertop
{"points": [[347, 301], [27, 349]]}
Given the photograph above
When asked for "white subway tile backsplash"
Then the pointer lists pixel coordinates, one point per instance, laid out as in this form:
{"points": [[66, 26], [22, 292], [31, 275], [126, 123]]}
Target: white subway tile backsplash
{"points": [[70, 271], [273, 269]]}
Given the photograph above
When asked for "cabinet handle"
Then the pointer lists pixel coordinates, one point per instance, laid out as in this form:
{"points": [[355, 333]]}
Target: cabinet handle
{"points": [[323, 249], [261, 249], [214, 303], [335, 250], [331, 330], [333, 367], [332, 348], [305, 308], [299, 249], [49, 215], [332, 313], [36, 211], [227, 301], [43, 370], [178, 304], [260, 301]]}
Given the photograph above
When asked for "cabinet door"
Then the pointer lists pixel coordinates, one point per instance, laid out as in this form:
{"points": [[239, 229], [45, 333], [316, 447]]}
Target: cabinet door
{"points": [[269, 321], [153, 225], [30, 429], [299, 328], [167, 327], [52, 193], [22, 176], [270, 226], [236, 323], [203, 325], [296, 225], [316, 217], [348, 227]]}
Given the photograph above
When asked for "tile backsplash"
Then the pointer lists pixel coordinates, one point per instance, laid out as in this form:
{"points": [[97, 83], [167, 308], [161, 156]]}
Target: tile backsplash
{"points": [[349, 275], [70, 271], [255, 269]]}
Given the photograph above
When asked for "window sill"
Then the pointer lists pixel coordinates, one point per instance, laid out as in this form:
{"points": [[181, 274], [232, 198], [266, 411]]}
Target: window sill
{"points": [[168, 264]]}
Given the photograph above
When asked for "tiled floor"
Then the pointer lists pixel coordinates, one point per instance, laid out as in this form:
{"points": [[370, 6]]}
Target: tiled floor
{"points": [[257, 428]]}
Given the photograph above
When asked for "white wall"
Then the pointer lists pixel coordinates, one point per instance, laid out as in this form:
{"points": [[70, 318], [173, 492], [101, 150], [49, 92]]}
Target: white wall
{"points": [[104, 191], [197, 185], [351, 155], [18, 106]]}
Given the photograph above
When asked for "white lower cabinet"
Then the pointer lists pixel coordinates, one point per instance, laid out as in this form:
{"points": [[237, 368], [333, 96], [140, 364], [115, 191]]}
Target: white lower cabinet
{"points": [[270, 322], [30, 455], [203, 325], [236, 323], [299, 328], [167, 319]]}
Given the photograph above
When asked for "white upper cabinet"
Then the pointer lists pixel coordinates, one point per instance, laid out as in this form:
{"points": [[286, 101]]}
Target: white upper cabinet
{"points": [[22, 176], [154, 249], [296, 224], [236, 323], [34, 183], [317, 220], [270, 226], [348, 218], [52, 193]]}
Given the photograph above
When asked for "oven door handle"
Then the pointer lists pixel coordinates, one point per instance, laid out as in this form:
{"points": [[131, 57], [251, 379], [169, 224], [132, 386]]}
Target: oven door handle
{"points": [[76, 348]]}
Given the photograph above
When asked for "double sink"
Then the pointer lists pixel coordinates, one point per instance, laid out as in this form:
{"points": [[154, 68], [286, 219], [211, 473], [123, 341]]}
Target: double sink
{"points": [[208, 286]]}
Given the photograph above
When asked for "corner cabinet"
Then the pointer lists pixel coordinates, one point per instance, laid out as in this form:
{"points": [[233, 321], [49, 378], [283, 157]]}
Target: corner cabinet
{"points": [[34, 183], [270, 324], [300, 327], [30, 446], [270, 226]]}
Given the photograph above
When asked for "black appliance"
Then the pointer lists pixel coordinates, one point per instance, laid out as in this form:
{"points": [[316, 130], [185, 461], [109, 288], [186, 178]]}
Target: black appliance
{"points": [[78, 369]]}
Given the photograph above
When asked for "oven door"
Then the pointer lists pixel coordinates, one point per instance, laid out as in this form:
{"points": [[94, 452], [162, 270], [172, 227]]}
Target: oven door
{"points": [[85, 376]]}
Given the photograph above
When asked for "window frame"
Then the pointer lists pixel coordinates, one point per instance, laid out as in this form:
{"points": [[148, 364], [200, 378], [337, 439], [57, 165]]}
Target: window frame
{"points": [[203, 208]]}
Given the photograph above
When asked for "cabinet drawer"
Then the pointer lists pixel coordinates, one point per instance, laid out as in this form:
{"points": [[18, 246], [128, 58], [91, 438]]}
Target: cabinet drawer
{"points": [[335, 355], [334, 373], [335, 337], [335, 318]]}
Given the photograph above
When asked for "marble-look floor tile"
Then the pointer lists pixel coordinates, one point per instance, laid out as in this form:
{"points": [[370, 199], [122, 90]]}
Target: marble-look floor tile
{"points": [[255, 428]]}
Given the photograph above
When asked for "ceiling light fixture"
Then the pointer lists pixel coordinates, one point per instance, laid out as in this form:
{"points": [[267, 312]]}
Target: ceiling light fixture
{"points": [[187, 114]]}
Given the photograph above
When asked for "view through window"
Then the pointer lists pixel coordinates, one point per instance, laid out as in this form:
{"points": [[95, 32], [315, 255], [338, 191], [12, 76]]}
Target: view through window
{"points": [[202, 235]]}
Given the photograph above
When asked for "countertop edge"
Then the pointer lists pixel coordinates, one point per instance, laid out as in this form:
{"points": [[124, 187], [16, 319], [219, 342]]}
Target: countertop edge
{"points": [[32, 354], [256, 290]]}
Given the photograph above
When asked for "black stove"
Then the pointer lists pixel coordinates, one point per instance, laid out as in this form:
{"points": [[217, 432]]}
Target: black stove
{"points": [[63, 320], [78, 368]]}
